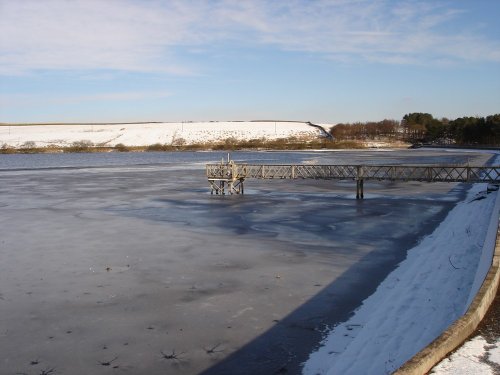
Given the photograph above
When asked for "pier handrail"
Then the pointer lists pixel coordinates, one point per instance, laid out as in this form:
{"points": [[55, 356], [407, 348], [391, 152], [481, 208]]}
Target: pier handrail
{"points": [[429, 173]]}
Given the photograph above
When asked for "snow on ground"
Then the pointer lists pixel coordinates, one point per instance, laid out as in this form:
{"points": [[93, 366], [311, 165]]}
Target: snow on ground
{"points": [[383, 144], [174, 133], [420, 299], [475, 357]]}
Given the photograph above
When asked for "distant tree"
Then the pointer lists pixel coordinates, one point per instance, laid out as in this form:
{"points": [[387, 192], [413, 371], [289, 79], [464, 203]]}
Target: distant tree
{"points": [[389, 128], [423, 127], [476, 130], [365, 130], [434, 130], [465, 130], [28, 145], [493, 122], [80, 146], [121, 147], [414, 125]]}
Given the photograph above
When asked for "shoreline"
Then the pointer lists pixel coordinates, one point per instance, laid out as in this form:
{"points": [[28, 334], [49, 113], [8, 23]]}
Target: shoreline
{"points": [[279, 145], [261, 146], [266, 147]]}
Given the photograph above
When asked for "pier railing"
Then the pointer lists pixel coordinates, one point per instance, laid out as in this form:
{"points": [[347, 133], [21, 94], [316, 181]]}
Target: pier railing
{"points": [[233, 175]]}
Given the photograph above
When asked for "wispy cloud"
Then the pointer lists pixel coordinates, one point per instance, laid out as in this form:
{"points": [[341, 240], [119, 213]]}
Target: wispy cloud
{"points": [[153, 35], [89, 34], [381, 31]]}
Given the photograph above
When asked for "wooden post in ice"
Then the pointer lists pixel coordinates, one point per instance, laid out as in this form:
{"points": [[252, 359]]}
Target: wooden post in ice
{"points": [[359, 182]]}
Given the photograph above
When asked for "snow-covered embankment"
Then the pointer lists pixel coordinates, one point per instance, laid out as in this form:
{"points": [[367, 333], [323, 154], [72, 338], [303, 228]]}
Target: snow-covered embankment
{"points": [[419, 300]]}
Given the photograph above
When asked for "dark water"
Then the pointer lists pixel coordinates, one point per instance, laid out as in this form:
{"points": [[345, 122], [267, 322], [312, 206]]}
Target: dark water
{"points": [[25, 161], [62, 160]]}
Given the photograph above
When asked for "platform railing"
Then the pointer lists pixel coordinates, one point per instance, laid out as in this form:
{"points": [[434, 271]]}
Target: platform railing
{"points": [[435, 173], [229, 177]]}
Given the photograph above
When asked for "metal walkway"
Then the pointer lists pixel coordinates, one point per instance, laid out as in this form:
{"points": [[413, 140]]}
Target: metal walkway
{"points": [[229, 177]]}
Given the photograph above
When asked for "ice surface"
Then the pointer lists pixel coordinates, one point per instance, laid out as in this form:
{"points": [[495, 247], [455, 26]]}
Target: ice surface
{"points": [[113, 259]]}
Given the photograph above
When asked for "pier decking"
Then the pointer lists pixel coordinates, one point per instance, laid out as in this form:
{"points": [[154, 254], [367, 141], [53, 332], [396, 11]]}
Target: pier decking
{"points": [[229, 177]]}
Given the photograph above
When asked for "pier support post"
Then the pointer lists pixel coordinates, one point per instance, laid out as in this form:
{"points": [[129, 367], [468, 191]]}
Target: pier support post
{"points": [[221, 187], [359, 182], [359, 189], [217, 186]]}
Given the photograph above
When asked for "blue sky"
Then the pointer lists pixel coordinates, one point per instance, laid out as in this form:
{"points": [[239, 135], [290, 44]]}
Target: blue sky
{"points": [[321, 61]]}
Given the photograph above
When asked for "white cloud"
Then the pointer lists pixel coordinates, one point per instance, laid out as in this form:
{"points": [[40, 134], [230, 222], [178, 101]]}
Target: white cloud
{"points": [[152, 35], [90, 34]]}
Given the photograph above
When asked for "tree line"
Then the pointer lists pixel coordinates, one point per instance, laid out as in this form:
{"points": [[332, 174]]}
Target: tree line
{"points": [[423, 127]]}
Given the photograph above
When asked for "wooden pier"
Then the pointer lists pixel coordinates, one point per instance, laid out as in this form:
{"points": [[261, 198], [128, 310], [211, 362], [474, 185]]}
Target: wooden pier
{"points": [[228, 178]]}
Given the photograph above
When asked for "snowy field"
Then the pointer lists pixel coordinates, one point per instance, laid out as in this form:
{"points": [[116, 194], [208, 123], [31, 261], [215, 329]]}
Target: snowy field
{"points": [[174, 133]]}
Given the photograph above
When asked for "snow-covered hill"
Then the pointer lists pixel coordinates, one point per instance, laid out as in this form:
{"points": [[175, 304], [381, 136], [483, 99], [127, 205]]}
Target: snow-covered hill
{"points": [[143, 134]]}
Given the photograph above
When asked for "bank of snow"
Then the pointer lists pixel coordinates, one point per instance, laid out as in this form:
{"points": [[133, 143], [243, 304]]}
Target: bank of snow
{"points": [[475, 357], [420, 299], [143, 134]]}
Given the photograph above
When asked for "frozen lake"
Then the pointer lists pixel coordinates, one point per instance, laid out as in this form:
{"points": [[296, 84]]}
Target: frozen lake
{"points": [[125, 262]]}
